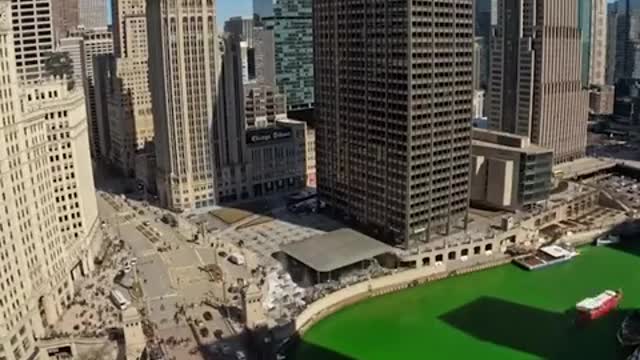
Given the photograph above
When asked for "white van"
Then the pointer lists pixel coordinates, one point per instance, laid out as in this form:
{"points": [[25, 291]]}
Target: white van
{"points": [[119, 300]]}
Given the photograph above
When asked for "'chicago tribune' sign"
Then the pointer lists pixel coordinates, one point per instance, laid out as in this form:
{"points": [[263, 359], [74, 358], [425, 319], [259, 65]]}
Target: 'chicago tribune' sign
{"points": [[265, 135]]}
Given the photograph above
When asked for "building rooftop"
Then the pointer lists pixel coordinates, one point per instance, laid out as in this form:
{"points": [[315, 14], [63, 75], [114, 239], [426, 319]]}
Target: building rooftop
{"points": [[529, 149], [336, 249], [505, 141], [581, 167]]}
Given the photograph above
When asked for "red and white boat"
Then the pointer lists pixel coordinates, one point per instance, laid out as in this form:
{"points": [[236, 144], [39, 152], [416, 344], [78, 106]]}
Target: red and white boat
{"points": [[599, 306]]}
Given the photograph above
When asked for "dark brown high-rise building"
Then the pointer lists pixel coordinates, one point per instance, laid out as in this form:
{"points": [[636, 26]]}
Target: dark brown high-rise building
{"points": [[394, 92], [536, 87]]}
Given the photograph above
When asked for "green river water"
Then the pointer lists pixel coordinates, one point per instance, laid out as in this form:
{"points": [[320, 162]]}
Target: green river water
{"points": [[502, 313]]}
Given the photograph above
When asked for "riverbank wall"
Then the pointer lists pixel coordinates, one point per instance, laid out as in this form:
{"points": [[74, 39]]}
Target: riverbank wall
{"points": [[340, 299]]}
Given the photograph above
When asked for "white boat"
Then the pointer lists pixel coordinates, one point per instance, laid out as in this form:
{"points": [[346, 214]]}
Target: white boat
{"points": [[607, 240], [546, 256]]}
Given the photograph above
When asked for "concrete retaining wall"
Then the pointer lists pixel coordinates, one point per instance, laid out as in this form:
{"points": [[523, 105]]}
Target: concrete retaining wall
{"points": [[340, 299]]}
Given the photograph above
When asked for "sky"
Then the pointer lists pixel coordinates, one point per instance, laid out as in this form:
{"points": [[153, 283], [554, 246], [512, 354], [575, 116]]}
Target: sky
{"points": [[226, 9], [229, 8]]}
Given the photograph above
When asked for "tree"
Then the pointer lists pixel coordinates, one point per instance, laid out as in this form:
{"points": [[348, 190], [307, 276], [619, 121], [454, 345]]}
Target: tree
{"points": [[60, 65]]}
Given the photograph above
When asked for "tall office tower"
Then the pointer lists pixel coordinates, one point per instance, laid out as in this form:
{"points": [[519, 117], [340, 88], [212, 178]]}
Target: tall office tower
{"points": [[94, 42], [598, 56], [393, 136], [184, 72], [536, 85], [627, 40], [105, 81], [33, 36], [483, 18], [264, 56], [259, 150], [92, 13], [592, 22], [242, 27], [65, 17], [291, 22], [128, 99], [48, 202], [481, 64], [612, 40], [229, 143]]}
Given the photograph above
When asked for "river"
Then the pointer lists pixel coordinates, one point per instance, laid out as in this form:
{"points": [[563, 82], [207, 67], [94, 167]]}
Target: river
{"points": [[502, 313]]}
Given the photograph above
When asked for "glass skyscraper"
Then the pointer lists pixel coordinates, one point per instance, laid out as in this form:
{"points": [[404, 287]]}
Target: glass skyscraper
{"points": [[627, 53], [584, 23], [291, 23]]}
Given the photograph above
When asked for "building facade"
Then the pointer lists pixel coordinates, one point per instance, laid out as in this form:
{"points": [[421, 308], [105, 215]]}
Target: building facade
{"points": [[242, 27], [531, 93], [481, 63], [49, 220], [65, 16], [601, 100], [612, 42], [184, 76], [128, 99], [393, 136], [95, 42], [311, 156], [508, 172], [33, 36], [276, 158], [598, 55], [260, 151], [264, 106], [264, 56], [291, 22], [627, 37], [73, 46], [92, 13]]}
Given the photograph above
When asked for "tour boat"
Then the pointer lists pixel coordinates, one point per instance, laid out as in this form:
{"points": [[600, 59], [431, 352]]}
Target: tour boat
{"points": [[607, 240], [595, 307], [547, 256]]}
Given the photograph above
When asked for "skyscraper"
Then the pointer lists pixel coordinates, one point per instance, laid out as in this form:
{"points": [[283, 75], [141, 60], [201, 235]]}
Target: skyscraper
{"points": [[394, 92], [258, 150], [612, 40], [184, 74], [92, 13], [291, 22], [242, 27], [33, 36], [65, 17], [536, 87], [483, 17], [264, 56], [128, 99], [95, 42], [598, 56], [47, 197], [627, 40]]}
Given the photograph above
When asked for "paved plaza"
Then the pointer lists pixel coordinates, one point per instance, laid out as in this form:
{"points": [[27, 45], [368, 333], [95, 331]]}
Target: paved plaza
{"points": [[172, 269]]}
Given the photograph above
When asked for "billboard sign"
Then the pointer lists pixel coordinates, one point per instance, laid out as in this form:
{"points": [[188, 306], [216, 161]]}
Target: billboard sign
{"points": [[260, 136]]}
